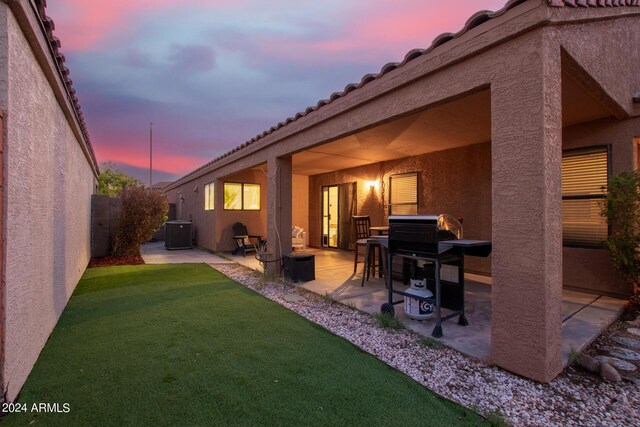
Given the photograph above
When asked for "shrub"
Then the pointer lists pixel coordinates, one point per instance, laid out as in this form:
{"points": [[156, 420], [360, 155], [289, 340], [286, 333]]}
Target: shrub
{"points": [[622, 208], [388, 321], [111, 181], [574, 357], [142, 213]]}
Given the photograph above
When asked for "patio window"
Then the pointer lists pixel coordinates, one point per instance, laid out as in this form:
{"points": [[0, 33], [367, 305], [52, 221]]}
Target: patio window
{"points": [[584, 174], [208, 197], [241, 196], [403, 194]]}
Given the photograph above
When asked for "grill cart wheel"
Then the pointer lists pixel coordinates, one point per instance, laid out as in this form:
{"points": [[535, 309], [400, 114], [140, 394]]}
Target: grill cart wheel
{"points": [[387, 308]]}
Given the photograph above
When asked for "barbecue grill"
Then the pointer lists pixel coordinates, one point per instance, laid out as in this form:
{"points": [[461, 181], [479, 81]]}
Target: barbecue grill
{"points": [[435, 241]]}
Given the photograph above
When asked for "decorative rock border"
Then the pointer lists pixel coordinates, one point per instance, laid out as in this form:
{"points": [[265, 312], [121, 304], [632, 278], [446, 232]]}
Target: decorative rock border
{"points": [[572, 399]]}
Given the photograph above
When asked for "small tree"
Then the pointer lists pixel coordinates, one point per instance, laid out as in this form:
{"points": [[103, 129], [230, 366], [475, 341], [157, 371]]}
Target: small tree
{"points": [[142, 213], [622, 208], [111, 181]]}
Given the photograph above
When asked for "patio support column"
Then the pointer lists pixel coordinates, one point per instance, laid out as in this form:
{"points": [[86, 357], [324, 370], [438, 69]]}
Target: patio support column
{"points": [[218, 203], [526, 154], [279, 184]]}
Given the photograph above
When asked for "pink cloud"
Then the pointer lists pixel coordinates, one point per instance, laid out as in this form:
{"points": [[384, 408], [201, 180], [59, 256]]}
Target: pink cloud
{"points": [[390, 28], [87, 23], [139, 157]]}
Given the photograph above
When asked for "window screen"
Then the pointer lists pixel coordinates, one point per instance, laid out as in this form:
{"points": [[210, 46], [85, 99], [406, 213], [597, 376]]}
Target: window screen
{"points": [[584, 174], [403, 194], [208, 197]]}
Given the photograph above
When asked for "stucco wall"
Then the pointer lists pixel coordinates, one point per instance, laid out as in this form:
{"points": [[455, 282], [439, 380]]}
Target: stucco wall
{"points": [[213, 228], [48, 195], [256, 221], [618, 75], [455, 181], [193, 195]]}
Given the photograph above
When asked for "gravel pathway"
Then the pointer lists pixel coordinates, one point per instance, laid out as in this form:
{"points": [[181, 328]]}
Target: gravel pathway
{"points": [[572, 399]]}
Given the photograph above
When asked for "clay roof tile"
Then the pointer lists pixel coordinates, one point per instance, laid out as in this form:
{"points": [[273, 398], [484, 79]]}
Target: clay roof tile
{"points": [[593, 3]]}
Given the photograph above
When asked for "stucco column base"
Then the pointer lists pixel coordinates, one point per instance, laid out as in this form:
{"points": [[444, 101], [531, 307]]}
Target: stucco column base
{"points": [[527, 212], [279, 184]]}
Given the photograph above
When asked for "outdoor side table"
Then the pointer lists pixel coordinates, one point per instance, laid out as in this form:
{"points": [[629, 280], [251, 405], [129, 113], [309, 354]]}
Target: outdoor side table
{"points": [[299, 267]]}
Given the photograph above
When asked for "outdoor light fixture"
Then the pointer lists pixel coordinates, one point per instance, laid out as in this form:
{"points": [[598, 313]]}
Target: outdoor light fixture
{"points": [[373, 185]]}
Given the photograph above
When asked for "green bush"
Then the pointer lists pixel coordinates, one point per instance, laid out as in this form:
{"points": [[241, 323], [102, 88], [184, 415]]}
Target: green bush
{"points": [[622, 208], [111, 181], [142, 213]]}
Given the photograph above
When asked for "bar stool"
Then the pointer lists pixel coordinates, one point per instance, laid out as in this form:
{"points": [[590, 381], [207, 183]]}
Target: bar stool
{"points": [[361, 232], [370, 254]]}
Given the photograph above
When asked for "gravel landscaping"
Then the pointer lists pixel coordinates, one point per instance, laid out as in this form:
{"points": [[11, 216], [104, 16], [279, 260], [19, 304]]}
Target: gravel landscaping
{"points": [[575, 398]]}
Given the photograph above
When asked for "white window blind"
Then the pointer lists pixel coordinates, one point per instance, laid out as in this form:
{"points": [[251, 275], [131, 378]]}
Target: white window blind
{"points": [[584, 174], [403, 194]]}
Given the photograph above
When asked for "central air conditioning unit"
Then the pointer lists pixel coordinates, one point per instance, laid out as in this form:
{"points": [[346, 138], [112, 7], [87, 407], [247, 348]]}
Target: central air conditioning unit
{"points": [[178, 235]]}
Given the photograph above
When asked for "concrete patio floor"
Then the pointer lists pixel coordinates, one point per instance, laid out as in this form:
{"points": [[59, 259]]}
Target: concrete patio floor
{"points": [[156, 253], [584, 316]]}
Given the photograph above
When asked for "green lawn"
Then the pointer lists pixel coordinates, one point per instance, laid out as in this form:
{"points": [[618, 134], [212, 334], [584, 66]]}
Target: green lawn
{"points": [[185, 345]]}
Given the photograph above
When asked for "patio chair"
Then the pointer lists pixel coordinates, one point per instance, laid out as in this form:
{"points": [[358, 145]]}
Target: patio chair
{"points": [[362, 232], [298, 237], [245, 242]]}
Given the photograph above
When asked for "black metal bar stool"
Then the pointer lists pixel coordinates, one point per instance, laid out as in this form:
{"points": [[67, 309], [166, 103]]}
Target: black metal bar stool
{"points": [[369, 255]]}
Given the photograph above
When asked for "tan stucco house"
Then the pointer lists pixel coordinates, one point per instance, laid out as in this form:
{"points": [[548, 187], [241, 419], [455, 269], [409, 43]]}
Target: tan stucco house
{"points": [[513, 123], [49, 172]]}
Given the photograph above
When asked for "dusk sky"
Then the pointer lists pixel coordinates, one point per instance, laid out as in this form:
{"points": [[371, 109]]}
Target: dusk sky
{"points": [[212, 74]]}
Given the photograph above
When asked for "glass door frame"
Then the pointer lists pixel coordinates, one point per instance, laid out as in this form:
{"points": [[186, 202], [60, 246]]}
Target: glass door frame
{"points": [[326, 216]]}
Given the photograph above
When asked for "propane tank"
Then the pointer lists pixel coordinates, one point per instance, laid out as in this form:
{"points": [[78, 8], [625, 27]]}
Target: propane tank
{"points": [[415, 309]]}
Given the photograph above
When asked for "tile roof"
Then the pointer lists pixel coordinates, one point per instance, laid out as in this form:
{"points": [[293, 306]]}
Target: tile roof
{"points": [[593, 3], [54, 46], [475, 20]]}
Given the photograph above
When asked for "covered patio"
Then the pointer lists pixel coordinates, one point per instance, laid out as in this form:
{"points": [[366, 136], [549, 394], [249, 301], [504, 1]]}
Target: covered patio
{"points": [[479, 124], [450, 147], [584, 316]]}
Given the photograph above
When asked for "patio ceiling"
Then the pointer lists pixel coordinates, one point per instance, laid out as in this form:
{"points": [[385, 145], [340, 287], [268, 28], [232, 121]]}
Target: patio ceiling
{"points": [[457, 123], [461, 122], [578, 105]]}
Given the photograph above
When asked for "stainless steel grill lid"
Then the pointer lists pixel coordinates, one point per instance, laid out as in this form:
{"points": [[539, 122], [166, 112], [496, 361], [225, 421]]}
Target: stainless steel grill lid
{"points": [[450, 223]]}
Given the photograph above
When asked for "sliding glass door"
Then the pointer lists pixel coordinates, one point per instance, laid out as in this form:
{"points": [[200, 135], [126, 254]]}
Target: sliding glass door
{"points": [[330, 216], [338, 208]]}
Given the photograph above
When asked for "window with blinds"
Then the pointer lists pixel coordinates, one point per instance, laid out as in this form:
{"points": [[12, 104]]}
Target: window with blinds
{"points": [[208, 197], [584, 174], [403, 194]]}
